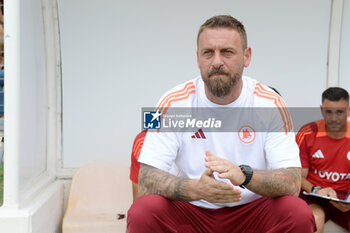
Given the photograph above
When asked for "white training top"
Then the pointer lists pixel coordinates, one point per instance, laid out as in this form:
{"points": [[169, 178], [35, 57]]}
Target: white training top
{"points": [[272, 149]]}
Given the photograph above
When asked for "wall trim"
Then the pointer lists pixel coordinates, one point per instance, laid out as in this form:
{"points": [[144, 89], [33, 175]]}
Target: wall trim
{"points": [[335, 27]]}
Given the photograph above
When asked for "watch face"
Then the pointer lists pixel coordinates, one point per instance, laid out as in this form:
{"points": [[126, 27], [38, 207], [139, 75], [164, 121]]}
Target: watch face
{"points": [[246, 169]]}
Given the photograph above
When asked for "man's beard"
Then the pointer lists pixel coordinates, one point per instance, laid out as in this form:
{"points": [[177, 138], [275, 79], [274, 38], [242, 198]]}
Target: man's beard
{"points": [[221, 86]]}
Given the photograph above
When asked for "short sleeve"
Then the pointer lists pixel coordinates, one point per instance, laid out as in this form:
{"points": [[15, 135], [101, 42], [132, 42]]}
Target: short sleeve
{"points": [[160, 150], [280, 146], [301, 139], [281, 150]]}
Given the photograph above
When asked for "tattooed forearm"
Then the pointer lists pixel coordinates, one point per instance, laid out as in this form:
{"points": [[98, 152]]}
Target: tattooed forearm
{"points": [[155, 181], [274, 183]]}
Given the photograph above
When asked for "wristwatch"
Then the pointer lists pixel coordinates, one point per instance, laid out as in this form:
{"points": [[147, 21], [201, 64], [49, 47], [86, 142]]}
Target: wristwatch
{"points": [[315, 188], [248, 172]]}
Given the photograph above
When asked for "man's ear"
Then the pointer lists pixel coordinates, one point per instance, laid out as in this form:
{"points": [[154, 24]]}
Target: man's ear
{"points": [[247, 56], [321, 107], [197, 58]]}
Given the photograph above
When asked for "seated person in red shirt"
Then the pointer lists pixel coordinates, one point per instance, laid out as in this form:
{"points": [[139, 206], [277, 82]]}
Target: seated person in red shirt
{"points": [[135, 166], [325, 157]]}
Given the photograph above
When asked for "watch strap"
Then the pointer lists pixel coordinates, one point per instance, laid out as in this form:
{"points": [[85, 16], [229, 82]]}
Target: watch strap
{"points": [[248, 172], [315, 188]]}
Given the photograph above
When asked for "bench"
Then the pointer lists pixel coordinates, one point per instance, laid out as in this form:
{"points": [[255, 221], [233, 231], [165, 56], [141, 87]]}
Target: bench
{"points": [[99, 199]]}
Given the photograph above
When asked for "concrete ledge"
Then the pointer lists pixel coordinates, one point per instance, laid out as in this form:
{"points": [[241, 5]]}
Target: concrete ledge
{"points": [[43, 215]]}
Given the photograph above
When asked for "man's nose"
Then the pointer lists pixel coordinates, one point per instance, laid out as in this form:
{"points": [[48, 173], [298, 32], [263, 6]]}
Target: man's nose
{"points": [[334, 117], [217, 60]]}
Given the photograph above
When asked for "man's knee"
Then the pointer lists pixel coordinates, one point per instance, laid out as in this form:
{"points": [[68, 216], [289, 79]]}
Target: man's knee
{"points": [[143, 211], [318, 212], [294, 206], [295, 211]]}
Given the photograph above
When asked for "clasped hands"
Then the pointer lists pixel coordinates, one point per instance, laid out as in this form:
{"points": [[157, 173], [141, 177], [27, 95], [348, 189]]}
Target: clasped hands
{"points": [[216, 191]]}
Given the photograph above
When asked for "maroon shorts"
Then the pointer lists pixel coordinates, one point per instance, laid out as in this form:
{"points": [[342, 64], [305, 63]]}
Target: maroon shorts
{"points": [[341, 218], [153, 213]]}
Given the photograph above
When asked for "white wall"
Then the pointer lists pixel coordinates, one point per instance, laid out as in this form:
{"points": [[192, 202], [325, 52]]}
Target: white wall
{"points": [[119, 56]]}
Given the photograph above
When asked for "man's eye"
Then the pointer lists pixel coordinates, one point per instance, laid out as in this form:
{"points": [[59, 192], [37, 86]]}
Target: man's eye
{"points": [[206, 52], [228, 52]]}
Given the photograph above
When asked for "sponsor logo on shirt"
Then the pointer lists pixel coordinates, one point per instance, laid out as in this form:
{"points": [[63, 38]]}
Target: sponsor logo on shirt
{"points": [[199, 135], [334, 176], [246, 134], [318, 155]]}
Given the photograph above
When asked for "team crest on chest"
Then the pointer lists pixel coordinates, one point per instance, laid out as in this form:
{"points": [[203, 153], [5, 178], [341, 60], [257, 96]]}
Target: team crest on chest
{"points": [[349, 155], [246, 134]]}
